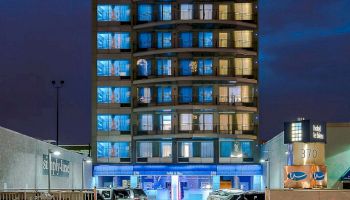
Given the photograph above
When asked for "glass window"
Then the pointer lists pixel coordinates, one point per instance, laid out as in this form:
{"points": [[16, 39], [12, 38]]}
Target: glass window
{"points": [[113, 40], [223, 12], [187, 67], [146, 122], [144, 67], [145, 12], [186, 149], [243, 11], [164, 39], [185, 40], [113, 94], [205, 94], [225, 149], [113, 122], [223, 39], [243, 121], [145, 40], [205, 11], [164, 94], [205, 39], [223, 67], [230, 94], [103, 149], [164, 12], [207, 150], [113, 67], [119, 13], [243, 39], [163, 67], [145, 149], [297, 132], [185, 122], [185, 94], [186, 11], [120, 149], [226, 123], [166, 149], [144, 95], [205, 66], [165, 122], [246, 149], [206, 122], [243, 66]]}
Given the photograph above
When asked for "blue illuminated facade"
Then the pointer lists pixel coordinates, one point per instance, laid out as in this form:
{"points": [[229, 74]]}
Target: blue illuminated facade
{"points": [[174, 98]]}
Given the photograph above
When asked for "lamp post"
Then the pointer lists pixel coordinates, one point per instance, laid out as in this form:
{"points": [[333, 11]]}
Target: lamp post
{"points": [[57, 85], [50, 152], [84, 160]]}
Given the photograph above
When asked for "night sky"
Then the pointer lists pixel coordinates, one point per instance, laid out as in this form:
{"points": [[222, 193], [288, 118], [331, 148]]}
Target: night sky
{"points": [[304, 65]]}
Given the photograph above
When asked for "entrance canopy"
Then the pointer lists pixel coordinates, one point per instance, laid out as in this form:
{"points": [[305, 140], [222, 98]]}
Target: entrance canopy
{"points": [[173, 169]]}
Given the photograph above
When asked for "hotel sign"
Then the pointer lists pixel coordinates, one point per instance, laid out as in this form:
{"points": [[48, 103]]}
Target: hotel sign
{"points": [[308, 153], [307, 176], [59, 167], [308, 131]]}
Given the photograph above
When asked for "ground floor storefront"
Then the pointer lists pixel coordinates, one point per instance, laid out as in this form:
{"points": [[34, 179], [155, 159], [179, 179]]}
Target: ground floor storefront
{"points": [[179, 182]]}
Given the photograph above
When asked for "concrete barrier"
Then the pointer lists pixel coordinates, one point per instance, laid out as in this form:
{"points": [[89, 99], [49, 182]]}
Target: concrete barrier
{"points": [[307, 194]]}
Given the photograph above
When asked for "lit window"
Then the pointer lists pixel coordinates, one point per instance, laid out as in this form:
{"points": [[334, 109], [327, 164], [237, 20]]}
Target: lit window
{"points": [[226, 123], [223, 67], [243, 66], [164, 67], [144, 67], [185, 40], [113, 67], [113, 40], [146, 122], [164, 94], [207, 149], [113, 149], [205, 39], [205, 11], [165, 122], [144, 149], [164, 12], [223, 39], [206, 122], [145, 12], [166, 149], [223, 12], [243, 39], [185, 122], [164, 40], [113, 122], [243, 11], [186, 149], [297, 132], [144, 95], [186, 11], [205, 66], [205, 94], [243, 121], [119, 13], [113, 94]]}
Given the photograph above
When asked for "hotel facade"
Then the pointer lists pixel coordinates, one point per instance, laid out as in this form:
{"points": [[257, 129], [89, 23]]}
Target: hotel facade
{"points": [[175, 96]]}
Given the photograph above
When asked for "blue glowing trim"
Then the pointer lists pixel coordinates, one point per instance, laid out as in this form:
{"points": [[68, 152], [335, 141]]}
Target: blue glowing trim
{"points": [[223, 170]]}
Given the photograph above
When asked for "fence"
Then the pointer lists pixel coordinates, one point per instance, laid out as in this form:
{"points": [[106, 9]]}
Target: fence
{"points": [[44, 195]]}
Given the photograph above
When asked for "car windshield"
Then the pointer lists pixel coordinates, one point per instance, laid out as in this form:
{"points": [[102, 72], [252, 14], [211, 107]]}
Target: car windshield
{"points": [[139, 192]]}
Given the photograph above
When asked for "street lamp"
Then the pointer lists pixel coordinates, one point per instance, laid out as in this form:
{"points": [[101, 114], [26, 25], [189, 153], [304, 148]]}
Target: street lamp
{"points": [[267, 161], [88, 161], [57, 85], [55, 153]]}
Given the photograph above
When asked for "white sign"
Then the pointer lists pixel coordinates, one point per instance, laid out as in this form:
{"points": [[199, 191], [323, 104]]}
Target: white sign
{"points": [[317, 132]]}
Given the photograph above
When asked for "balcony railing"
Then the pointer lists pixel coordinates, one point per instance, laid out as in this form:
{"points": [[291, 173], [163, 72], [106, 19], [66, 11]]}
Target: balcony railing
{"points": [[197, 128], [195, 100]]}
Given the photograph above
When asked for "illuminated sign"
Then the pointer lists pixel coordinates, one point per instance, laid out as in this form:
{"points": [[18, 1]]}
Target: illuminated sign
{"points": [[59, 167], [317, 132], [307, 176], [308, 153], [304, 131]]}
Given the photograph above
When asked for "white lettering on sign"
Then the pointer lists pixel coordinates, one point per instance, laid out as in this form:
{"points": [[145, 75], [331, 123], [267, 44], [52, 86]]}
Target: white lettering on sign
{"points": [[317, 132]]}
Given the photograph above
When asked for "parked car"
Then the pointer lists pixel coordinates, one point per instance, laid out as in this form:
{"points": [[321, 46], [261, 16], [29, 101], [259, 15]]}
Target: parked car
{"points": [[236, 194], [123, 194]]}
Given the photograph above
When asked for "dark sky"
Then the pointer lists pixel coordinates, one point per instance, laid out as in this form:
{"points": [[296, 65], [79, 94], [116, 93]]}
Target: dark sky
{"points": [[304, 64]]}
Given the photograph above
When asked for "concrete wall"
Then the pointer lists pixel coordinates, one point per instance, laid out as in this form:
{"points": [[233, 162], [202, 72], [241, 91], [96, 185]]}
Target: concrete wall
{"points": [[21, 160], [337, 152]]}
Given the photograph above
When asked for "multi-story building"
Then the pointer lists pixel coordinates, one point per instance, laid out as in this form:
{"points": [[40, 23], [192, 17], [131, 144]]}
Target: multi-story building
{"points": [[174, 95]]}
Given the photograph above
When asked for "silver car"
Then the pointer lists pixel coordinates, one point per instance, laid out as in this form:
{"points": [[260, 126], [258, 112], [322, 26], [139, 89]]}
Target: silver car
{"points": [[123, 194]]}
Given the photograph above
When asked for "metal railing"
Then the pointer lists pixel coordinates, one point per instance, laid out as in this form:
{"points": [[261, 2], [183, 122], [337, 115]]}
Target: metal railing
{"points": [[42, 194]]}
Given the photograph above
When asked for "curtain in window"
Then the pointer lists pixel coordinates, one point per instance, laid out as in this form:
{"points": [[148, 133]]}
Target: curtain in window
{"points": [[226, 121], [205, 66], [166, 149], [206, 122], [225, 149], [185, 94], [103, 95], [120, 95], [205, 11], [145, 12], [185, 40], [243, 11], [205, 94], [223, 67], [120, 68], [223, 12], [246, 149], [146, 122], [185, 122], [145, 40], [164, 67], [207, 150], [165, 122], [103, 12], [205, 39], [243, 39], [144, 67], [164, 94], [120, 123], [145, 149], [243, 121], [103, 122], [164, 39], [144, 95], [164, 12], [186, 67], [103, 149], [121, 40], [243, 66], [186, 11], [186, 149], [120, 13]]}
